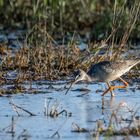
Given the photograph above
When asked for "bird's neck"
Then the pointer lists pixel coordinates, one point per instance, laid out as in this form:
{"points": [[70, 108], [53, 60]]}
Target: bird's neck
{"points": [[88, 78]]}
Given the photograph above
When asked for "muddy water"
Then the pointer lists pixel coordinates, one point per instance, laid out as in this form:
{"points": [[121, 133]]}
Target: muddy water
{"points": [[84, 108]]}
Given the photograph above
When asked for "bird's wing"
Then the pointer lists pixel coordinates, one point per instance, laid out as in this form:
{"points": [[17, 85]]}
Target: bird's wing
{"points": [[117, 66], [107, 66]]}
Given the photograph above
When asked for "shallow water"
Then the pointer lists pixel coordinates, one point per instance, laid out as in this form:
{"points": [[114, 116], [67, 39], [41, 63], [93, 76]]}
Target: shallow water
{"points": [[86, 106], [86, 109]]}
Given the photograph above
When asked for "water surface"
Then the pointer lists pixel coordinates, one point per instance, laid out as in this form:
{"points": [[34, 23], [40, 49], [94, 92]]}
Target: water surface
{"points": [[85, 110]]}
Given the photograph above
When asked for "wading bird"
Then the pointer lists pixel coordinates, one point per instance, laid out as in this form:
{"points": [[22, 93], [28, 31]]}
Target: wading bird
{"points": [[106, 71]]}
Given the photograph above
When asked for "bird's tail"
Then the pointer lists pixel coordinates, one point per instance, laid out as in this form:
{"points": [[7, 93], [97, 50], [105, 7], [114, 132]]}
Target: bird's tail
{"points": [[136, 61], [131, 63]]}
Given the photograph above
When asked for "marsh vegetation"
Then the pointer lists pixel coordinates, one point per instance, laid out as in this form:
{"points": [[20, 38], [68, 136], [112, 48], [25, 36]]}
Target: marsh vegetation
{"points": [[42, 45]]}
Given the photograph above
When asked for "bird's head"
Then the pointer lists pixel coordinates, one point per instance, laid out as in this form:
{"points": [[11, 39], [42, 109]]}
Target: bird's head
{"points": [[82, 76]]}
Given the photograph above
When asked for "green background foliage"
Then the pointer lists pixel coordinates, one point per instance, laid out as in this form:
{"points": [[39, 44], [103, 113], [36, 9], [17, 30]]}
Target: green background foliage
{"points": [[63, 16]]}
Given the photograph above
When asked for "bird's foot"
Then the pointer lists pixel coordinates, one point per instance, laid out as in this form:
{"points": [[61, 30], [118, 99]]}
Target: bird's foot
{"points": [[111, 88]]}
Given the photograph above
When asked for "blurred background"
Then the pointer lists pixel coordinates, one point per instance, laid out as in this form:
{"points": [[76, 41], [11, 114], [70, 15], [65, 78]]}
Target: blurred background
{"points": [[91, 19]]}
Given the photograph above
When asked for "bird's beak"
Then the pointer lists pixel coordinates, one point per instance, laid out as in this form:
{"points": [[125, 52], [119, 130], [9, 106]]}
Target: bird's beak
{"points": [[77, 79], [69, 87], [80, 77]]}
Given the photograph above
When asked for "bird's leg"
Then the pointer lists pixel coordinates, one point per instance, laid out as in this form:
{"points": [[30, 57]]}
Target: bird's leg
{"points": [[122, 86], [112, 94], [123, 81], [110, 88]]}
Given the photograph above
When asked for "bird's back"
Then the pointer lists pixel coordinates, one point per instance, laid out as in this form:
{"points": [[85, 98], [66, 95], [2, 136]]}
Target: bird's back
{"points": [[110, 70]]}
